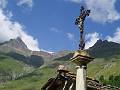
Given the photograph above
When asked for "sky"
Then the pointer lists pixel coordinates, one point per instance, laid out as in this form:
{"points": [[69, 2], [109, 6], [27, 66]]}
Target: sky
{"points": [[48, 25]]}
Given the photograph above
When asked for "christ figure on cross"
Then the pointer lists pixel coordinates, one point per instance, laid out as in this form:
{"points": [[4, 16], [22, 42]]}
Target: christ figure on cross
{"points": [[80, 22]]}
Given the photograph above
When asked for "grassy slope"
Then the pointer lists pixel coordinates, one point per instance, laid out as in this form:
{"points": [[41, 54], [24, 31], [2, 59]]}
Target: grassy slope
{"points": [[33, 81], [36, 79], [104, 67], [11, 69], [7, 63]]}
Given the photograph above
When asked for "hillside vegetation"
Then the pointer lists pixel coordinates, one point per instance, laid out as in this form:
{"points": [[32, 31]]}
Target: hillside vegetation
{"points": [[31, 71], [11, 69]]}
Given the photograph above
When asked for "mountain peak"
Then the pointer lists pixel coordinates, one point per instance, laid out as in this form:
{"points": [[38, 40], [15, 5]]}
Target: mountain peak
{"points": [[105, 49], [105, 43], [16, 43], [19, 39], [99, 42]]}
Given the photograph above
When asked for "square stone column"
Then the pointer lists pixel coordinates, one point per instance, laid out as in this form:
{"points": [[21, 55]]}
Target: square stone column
{"points": [[81, 58]]}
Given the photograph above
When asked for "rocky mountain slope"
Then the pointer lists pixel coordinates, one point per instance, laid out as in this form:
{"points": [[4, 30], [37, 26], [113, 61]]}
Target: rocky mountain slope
{"points": [[16, 60], [17, 49], [104, 49]]}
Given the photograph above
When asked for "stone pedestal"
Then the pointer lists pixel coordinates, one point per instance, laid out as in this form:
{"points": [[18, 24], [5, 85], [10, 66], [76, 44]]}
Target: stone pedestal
{"points": [[81, 58], [81, 78]]}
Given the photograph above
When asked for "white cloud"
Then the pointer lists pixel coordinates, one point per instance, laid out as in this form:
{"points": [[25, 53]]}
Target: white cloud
{"points": [[54, 29], [116, 36], [10, 30], [3, 3], [70, 36], [50, 52], [75, 1], [101, 10], [91, 39], [29, 3]]}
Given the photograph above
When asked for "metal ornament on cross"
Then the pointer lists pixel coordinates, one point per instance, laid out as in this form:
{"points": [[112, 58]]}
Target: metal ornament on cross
{"points": [[80, 23]]}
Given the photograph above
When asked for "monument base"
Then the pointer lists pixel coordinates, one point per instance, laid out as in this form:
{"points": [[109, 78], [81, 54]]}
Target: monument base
{"points": [[81, 58]]}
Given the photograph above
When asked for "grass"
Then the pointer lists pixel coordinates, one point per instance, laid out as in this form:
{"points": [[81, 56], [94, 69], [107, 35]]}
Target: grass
{"points": [[36, 79], [7, 63], [11, 69], [104, 67]]}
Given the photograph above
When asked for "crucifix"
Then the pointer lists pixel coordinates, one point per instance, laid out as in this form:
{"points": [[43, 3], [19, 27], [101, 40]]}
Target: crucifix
{"points": [[80, 23], [81, 57]]}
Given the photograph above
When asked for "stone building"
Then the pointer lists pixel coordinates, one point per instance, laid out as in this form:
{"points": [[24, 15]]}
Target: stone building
{"points": [[66, 80]]}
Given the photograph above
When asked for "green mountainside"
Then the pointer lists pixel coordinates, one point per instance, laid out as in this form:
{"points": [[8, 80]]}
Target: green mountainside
{"points": [[11, 69], [22, 69], [105, 49]]}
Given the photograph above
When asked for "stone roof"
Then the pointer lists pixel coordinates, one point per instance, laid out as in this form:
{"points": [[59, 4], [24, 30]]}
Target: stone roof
{"points": [[67, 81]]}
